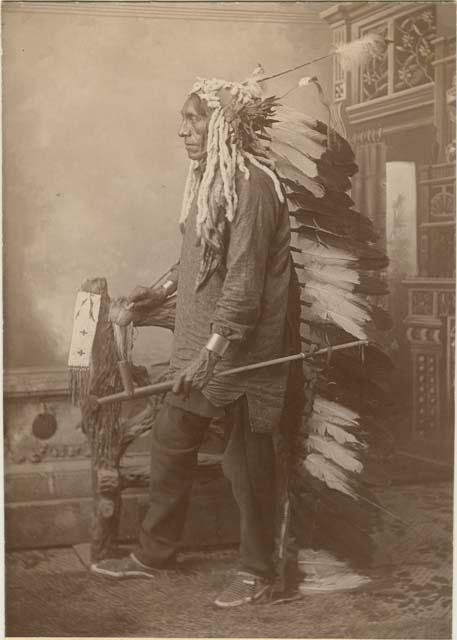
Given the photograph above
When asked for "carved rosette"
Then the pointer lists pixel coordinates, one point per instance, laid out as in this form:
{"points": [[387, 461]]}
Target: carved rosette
{"points": [[422, 303]]}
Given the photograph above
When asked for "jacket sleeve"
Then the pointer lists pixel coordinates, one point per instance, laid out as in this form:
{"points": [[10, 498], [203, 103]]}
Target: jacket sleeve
{"points": [[251, 234]]}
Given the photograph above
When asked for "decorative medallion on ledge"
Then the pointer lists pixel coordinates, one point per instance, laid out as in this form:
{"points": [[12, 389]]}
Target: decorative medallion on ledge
{"points": [[422, 303], [442, 205]]}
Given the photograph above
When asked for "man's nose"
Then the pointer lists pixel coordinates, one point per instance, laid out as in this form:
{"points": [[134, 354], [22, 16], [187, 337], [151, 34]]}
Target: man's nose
{"points": [[183, 130]]}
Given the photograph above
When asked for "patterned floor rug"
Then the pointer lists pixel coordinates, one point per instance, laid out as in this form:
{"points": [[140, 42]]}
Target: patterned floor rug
{"points": [[50, 593]]}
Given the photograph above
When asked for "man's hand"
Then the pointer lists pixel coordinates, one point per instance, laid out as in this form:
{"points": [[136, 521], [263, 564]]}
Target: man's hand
{"points": [[197, 374], [146, 298], [141, 299]]}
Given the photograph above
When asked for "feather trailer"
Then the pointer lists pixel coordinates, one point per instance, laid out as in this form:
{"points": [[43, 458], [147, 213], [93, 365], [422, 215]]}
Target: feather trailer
{"points": [[329, 473], [331, 328], [343, 252], [312, 228], [310, 224], [360, 311], [338, 269], [343, 162], [323, 335], [374, 367], [331, 201], [319, 315], [298, 159], [346, 222], [348, 279], [333, 167], [312, 252], [308, 142], [313, 334], [381, 318], [326, 429], [335, 412], [290, 173], [338, 297], [296, 120], [334, 298], [332, 274], [367, 256], [335, 163], [374, 286], [333, 177], [341, 523], [342, 456]]}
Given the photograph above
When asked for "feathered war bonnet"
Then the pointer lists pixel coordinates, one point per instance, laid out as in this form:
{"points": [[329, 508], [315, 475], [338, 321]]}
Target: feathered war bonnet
{"points": [[240, 134], [239, 118]]}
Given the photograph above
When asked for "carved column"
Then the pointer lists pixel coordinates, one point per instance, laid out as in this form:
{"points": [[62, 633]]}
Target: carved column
{"points": [[369, 189]]}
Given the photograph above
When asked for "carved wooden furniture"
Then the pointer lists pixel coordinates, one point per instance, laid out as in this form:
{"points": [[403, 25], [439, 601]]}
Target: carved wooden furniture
{"points": [[391, 84], [431, 333], [431, 302], [401, 106]]}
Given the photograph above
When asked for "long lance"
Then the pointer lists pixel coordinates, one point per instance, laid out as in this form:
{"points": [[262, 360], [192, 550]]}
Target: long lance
{"points": [[163, 387]]}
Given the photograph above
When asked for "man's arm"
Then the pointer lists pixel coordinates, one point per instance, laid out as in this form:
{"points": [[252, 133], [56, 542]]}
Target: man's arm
{"points": [[143, 300], [239, 306]]}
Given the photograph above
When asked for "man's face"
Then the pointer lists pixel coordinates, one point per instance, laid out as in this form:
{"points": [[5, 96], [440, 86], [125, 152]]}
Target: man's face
{"points": [[194, 128]]}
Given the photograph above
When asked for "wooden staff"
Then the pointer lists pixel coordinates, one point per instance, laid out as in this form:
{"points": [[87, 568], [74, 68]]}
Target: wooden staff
{"points": [[163, 387]]}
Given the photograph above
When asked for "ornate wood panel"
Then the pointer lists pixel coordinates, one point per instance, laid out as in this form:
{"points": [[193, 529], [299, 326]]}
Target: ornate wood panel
{"points": [[410, 87], [436, 221], [431, 333], [431, 309], [413, 51], [405, 63]]}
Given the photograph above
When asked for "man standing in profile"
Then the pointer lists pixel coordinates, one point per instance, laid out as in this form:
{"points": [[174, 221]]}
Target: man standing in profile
{"points": [[235, 290]]}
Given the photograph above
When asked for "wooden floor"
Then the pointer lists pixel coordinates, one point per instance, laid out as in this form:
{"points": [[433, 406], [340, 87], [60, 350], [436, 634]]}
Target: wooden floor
{"points": [[51, 593]]}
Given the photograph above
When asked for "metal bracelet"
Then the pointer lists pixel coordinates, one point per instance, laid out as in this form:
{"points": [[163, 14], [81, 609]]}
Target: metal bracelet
{"points": [[218, 344]]}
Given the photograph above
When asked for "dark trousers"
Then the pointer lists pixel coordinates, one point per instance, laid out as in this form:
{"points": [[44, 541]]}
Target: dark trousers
{"points": [[248, 463]]}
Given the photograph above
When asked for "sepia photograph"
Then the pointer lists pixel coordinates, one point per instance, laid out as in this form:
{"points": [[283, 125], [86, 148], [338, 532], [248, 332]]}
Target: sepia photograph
{"points": [[229, 318]]}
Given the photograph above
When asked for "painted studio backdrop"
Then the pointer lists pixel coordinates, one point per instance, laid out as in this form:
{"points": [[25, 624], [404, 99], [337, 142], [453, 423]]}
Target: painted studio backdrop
{"points": [[93, 180]]}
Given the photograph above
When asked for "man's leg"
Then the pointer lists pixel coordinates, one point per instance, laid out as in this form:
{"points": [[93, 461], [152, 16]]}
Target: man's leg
{"points": [[249, 464], [176, 438]]}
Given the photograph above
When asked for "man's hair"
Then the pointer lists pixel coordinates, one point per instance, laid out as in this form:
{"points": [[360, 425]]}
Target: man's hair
{"points": [[226, 154]]}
